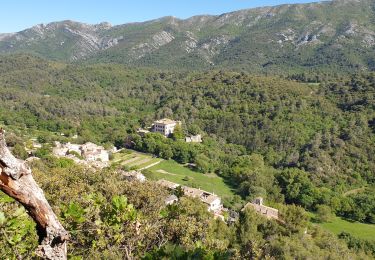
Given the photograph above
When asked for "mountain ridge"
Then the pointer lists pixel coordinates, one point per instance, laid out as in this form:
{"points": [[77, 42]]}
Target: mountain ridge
{"points": [[291, 36]]}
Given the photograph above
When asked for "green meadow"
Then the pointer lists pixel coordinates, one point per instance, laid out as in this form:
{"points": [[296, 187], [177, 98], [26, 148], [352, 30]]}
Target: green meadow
{"points": [[174, 172], [359, 230]]}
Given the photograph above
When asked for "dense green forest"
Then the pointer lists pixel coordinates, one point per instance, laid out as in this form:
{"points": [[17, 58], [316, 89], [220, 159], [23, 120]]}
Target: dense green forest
{"points": [[303, 141]]}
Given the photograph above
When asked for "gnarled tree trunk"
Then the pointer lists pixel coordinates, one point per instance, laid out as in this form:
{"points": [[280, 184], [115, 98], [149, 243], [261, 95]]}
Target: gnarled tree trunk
{"points": [[17, 181]]}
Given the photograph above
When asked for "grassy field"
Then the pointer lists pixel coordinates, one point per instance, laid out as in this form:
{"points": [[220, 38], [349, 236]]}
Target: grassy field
{"points": [[359, 230], [172, 171], [134, 160]]}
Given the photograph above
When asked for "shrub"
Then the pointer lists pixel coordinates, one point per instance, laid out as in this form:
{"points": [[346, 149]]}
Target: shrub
{"points": [[323, 213]]}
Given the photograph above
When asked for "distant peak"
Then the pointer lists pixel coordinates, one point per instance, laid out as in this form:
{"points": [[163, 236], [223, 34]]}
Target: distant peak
{"points": [[105, 25]]}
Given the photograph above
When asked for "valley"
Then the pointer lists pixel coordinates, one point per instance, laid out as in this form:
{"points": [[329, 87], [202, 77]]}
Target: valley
{"points": [[245, 135]]}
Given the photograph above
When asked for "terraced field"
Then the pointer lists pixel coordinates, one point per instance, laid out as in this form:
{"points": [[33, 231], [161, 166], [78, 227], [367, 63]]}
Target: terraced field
{"points": [[135, 160], [170, 170]]}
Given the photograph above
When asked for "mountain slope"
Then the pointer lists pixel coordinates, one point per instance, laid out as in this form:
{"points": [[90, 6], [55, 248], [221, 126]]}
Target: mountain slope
{"points": [[338, 34]]}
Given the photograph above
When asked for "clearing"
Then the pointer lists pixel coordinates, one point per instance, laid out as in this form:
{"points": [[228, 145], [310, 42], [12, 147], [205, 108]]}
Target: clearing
{"points": [[170, 170], [359, 230], [175, 172]]}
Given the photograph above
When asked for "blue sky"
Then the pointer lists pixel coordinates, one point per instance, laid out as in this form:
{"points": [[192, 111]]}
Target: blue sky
{"points": [[17, 15]]}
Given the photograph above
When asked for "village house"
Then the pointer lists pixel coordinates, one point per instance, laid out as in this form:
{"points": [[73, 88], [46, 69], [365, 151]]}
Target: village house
{"points": [[193, 139], [268, 212], [213, 201], [165, 126], [93, 152], [134, 176]]}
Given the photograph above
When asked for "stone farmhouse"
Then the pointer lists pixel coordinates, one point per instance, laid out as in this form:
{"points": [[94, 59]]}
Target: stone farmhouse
{"points": [[93, 152], [165, 126], [213, 201], [268, 212]]}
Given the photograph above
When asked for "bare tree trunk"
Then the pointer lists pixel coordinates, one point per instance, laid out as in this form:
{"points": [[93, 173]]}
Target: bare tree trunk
{"points": [[17, 181]]}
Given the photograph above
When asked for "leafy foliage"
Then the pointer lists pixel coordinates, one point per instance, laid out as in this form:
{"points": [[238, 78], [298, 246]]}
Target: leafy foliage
{"points": [[17, 230], [109, 217]]}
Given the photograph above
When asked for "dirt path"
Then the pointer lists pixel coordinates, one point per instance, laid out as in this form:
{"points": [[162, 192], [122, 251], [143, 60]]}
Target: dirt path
{"points": [[165, 172], [130, 160], [149, 166]]}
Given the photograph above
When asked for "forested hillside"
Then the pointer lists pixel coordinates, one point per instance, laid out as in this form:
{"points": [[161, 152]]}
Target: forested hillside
{"points": [[321, 134]]}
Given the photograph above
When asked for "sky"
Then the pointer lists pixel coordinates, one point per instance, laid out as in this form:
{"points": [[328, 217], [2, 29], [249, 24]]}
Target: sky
{"points": [[16, 15]]}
